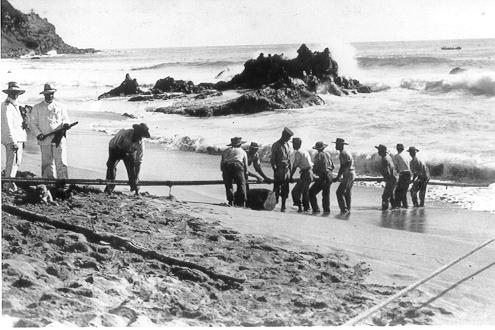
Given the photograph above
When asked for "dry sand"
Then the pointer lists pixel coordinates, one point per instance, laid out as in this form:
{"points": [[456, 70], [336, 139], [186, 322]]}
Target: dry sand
{"points": [[400, 247]]}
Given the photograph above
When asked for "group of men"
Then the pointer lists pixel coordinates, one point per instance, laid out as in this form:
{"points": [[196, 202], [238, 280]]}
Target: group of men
{"points": [[315, 176], [398, 172], [49, 116]]}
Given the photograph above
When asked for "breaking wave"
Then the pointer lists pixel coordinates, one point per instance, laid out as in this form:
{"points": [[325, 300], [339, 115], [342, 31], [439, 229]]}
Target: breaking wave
{"points": [[471, 83], [443, 168], [190, 64], [399, 61]]}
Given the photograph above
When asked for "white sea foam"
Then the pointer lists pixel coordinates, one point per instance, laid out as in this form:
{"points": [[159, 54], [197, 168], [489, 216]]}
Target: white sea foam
{"points": [[475, 83]]}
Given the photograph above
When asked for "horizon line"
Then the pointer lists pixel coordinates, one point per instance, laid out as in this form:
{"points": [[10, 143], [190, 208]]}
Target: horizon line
{"points": [[292, 43]]}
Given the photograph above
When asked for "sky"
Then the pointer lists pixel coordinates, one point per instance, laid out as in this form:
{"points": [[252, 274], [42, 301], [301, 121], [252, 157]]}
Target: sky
{"points": [[111, 24]]}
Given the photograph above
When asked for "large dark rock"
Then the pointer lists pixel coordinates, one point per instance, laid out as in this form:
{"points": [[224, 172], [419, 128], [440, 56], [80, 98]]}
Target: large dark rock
{"points": [[170, 85], [276, 69], [128, 87], [266, 99], [23, 34]]}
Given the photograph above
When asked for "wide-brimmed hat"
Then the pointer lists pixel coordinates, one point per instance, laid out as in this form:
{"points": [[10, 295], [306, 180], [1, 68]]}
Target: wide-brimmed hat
{"points": [[235, 141], [412, 149], [288, 131], [296, 140], [48, 89], [340, 141], [320, 145], [142, 129], [381, 147], [254, 145], [13, 87]]}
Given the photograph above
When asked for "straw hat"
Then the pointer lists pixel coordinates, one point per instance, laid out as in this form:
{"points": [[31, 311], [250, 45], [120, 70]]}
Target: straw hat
{"points": [[296, 140], [320, 145], [48, 89], [340, 141], [381, 147], [254, 145], [235, 141], [13, 87], [412, 149]]}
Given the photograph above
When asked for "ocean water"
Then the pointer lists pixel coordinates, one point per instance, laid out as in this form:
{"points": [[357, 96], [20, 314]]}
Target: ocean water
{"points": [[450, 118]]}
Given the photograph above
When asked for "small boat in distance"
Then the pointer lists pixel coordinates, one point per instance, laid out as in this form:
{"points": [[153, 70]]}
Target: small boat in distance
{"points": [[451, 48]]}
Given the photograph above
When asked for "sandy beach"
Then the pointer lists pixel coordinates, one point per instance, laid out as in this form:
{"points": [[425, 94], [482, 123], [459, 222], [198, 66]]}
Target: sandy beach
{"points": [[397, 247]]}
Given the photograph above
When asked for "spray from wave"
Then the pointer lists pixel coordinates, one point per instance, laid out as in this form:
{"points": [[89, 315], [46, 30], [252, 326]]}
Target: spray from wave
{"points": [[345, 54]]}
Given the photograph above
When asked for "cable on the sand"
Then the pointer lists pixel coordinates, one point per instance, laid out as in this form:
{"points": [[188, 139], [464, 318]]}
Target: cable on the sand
{"points": [[169, 183], [402, 292]]}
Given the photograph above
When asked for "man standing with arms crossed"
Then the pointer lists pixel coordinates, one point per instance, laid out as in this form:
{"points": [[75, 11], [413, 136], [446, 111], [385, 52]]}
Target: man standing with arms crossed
{"points": [[13, 132], [47, 116], [280, 161], [401, 162], [347, 173]]}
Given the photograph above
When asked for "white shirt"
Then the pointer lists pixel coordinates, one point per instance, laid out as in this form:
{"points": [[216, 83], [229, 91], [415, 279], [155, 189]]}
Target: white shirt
{"points": [[302, 159], [12, 130], [47, 117], [401, 162], [231, 155]]}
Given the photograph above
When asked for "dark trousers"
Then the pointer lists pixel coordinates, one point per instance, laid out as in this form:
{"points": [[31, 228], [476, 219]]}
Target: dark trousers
{"points": [[281, 178], [114, 157], [344, 192], [301, 189], [400, 193], [235, 173], [388, 193], [321, 184], [419, 186]]}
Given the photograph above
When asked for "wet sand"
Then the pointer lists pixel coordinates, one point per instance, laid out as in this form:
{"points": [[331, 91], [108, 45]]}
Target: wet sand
{"points": [[401, 246]]}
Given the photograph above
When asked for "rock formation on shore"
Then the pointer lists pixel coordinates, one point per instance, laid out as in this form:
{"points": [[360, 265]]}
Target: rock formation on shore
{"points": [[272, 82], [29, 33], [259, 100]]}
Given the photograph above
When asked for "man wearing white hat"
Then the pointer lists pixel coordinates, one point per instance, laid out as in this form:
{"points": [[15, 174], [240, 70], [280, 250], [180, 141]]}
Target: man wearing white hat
{"points": [[47, 116], [13, 132]]}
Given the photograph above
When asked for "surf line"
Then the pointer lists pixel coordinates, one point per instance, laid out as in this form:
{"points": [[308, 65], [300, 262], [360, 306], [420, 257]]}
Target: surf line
{"points": [[402, 292]]}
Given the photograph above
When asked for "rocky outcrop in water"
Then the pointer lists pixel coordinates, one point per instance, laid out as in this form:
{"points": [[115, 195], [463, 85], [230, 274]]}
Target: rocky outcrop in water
{"points": [[265, 99], [273, 82], [29, 33], [266, 70], [128, 87]]}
